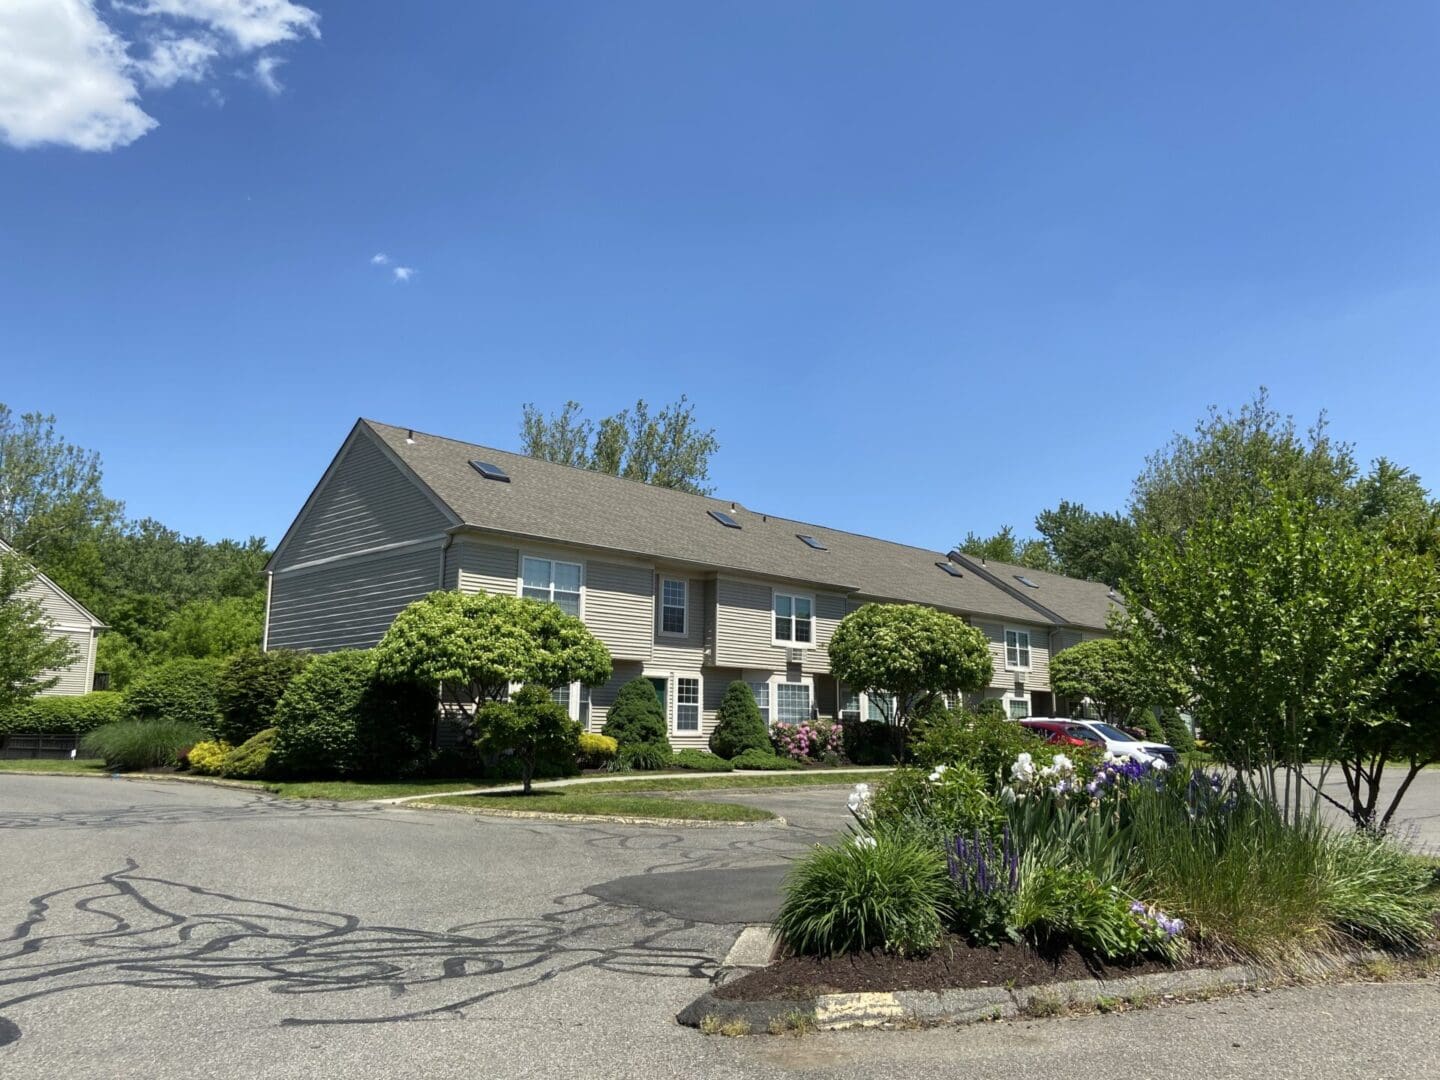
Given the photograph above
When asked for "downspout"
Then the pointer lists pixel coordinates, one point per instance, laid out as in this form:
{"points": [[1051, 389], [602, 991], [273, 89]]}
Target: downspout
{"points": [[440, 690], [265, 634], [444, 548]]}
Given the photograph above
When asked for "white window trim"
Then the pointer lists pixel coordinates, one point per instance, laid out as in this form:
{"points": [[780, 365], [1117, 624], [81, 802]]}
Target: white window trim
{"points": [[520, 576], [773, 679], [684, 632], [1029, 648], [672, 697], [1008, 698], [781, 642], [864, 706], [576, 690]]}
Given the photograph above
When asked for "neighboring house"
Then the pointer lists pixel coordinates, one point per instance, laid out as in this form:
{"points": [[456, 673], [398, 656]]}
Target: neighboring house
{"points": [[69, 619], [689, 591]]}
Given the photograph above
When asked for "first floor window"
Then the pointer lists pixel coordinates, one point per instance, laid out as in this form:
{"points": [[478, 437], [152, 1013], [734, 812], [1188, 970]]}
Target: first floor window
{"points": [[761, 689], [1017, 649], [561, 696], [672, 607], [794, 619], [792, 703], [1019, 708], [849, 705], [687, 704], [879, 709], [554, 582]]}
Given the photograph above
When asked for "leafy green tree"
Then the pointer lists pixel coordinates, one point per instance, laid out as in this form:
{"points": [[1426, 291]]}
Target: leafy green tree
{"points": [[667, 449], [915, 653], [50, 490], [180, 690], [475, 647], [1005, 547], [28, 649], [738, 724], [636, 719], [530, 726], [213, 628], [1101, 670], [1087, 544]]}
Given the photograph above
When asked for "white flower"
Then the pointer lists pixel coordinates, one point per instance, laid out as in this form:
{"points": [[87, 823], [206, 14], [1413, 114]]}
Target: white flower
{"points": [[859, 801], [1023, 771], [1159, 765], [1063, 763], [938, 773], [864, 841]]}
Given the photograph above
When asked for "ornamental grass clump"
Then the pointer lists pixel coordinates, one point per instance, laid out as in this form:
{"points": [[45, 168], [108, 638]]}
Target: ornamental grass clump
{"points": [[869, 892], [141, 744]]}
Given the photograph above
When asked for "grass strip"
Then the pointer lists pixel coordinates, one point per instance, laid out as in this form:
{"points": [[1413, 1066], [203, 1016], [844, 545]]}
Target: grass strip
{"points": [[567, 801], [78, 767], [731, 783], [357, 790]]}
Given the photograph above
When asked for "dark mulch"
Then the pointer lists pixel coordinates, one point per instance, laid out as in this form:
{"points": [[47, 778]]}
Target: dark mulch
{"points": [[954, 965]]}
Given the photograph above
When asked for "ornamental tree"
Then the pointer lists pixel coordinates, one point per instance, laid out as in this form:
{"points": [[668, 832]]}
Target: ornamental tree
{"points": [[29, 653], [1102, 671], [529, 726], [915, 653], [476, 646]]}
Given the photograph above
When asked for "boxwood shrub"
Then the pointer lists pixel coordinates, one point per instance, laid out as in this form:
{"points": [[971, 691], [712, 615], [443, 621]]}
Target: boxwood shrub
{"points": [[64, 715]]}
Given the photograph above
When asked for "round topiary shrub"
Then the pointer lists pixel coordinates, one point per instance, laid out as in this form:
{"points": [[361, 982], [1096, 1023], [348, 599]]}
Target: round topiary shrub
{"points": [[206, 758], [637, 718], [596, 751], [738, 725], [1143, 719], [249, 687], [338, 719], [178, 690], [63, 714], [251, 760], [1177, 731]]}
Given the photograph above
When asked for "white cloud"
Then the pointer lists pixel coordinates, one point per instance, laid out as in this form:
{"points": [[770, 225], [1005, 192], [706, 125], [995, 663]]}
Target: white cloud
{"points": [[265, 73], [69, 77], [379, 259], [176, 59], [250, 24], [64, 78], [403, 273]]}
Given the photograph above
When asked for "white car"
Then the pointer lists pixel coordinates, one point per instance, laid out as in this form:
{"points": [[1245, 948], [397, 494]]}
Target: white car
{"points": [[1061, 730]]}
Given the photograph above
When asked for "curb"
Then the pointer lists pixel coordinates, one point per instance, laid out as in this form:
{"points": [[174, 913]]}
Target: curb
{"points": [[613, 819], [256, 786], [918, 1008]]}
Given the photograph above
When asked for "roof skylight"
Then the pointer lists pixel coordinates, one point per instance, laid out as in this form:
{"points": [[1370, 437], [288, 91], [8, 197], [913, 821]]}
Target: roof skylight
{"points": [[810, 541], [1023, 580], [950, 568], [490, 472], [724, 519]]}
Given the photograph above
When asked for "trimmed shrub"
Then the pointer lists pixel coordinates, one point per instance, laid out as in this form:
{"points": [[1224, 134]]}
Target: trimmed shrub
{"points": [[991, 707], [251, 759], [337, 719], [206, 757], [181, 690], [869, 742], [647, 757], [637, 718], [1144, 719], [738, 724], [760, 759], [700, 761], [141, 744], [883, 891], [64, 715], [249, 687], [1177, 732], [596, 751]]}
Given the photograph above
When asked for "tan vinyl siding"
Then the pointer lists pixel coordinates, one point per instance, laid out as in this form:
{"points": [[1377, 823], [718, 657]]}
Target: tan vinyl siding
{"points": [[56, 605], [1038, 677], [366, 502], [350, 604], [685, 652], [618, 607], [745, 626], [602, 697], [830, 608], [473, 567], [75, 677]]}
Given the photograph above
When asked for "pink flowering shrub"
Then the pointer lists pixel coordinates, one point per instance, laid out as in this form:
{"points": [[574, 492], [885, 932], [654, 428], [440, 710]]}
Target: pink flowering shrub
{"points": [[807, 740]]}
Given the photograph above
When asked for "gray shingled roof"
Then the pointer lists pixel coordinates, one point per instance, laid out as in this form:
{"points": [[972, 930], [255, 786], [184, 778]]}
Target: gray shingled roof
{"points": [[1077, 602], [577, 506]]}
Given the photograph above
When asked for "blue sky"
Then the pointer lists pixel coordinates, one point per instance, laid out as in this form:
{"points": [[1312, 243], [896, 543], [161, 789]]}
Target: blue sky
{"points": [[926, 267]]}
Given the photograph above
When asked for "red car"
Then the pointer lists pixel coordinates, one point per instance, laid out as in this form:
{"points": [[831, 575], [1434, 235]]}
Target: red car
{"points": [[1055, 732]]}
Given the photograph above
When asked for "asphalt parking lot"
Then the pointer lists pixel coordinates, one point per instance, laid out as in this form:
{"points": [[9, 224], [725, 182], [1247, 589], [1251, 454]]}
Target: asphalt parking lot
{"points": [[169, 930]]}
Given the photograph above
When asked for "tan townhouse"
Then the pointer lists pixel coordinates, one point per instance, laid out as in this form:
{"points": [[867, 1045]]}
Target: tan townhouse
{"points": [[689, 591]]}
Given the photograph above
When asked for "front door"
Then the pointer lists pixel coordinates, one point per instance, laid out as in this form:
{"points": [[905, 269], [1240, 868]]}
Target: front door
{"points": [[661, 689]]}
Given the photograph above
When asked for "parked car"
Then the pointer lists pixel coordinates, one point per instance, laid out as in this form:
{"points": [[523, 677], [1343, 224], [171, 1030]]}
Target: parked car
{"points": [[1093, 732]]}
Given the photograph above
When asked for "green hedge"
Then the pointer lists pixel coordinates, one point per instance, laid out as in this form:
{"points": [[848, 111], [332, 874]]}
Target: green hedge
{"points": [[179, 690], [64, 715], [249, 687]]}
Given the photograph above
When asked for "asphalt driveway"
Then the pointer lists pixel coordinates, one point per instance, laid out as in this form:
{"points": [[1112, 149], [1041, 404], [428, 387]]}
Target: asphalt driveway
{"points": [[168, 930]]}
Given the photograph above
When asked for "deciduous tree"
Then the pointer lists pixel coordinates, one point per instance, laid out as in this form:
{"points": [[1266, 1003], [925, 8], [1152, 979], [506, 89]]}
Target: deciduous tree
{"points": [[28, 647], [529, 726]]}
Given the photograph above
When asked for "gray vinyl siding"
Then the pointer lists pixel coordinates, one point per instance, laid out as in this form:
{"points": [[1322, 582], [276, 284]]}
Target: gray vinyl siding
{"points": [[75, 677], [473, 567], [602, 697], [1038, 677], [619, 607], [349, 604], [366, 502]]}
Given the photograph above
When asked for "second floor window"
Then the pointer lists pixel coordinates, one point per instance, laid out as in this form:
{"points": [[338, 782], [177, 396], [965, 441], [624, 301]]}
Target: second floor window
{"points": [[555, 582], [672, 607], [1017, 650], [794, 619]]}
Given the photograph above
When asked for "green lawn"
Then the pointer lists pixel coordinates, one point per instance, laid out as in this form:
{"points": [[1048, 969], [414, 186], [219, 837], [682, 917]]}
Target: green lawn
{"points": [[591, 801], [354, 790], [671, 782], [78, 767]]}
